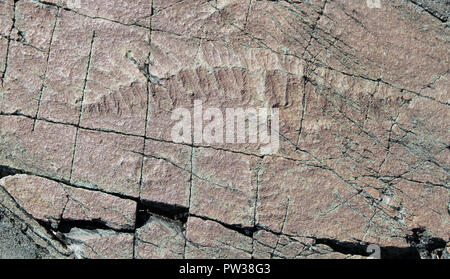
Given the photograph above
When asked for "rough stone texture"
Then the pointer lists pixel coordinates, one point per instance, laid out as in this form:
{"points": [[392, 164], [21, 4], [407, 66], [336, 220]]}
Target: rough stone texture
{"points": [[167, 173], [208, 239], [100, 244], [108, 161], [89, 169], [44, 199], [14, 244], [114, 212], [440, 9], [52, 202], [116, 91], [65, 78], [159, 239], [32, 150], [224, 186], [131, 12]]}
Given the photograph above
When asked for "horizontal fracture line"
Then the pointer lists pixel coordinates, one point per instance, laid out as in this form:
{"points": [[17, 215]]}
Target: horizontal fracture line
{"points": [[22, 42], [301, 58], [128, 134], [165, 141], [91, 17], [71, 184], [155, 156]]}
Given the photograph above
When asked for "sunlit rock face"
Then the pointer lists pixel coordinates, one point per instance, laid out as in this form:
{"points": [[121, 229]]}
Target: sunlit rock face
{"points": [[89, 162]]}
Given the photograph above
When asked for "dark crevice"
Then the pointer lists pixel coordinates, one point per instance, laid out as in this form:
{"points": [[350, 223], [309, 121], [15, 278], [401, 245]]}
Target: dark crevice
{"points": [[422, 246], [180, 214], [427, 245], [174, 213], [20, 114], [66, 225], [81, 103], [361, 248], [52, 232], [48, 226], [7, 171], [46, 68], [436, 9], [247, 231], [344, 247], [56, 228]]}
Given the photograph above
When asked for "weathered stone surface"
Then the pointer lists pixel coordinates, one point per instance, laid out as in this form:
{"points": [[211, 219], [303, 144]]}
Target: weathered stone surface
{"points": [[33, 150], [68, 59], [88, 89], [27, 50], [108, 161], [131, 12], [3, 51], [6, 15], [52, 202], [166, 173], [14, 244], [89, 206], [100, 244], [302, 200], [115, 96], [36, 240], [224, 186], [159, 239], [440, 9], [43, 199], [208, 239], [34, 24], [22, 81]]}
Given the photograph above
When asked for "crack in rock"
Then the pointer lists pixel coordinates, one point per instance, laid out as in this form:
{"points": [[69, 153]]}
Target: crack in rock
{"points": [[89, 167]]}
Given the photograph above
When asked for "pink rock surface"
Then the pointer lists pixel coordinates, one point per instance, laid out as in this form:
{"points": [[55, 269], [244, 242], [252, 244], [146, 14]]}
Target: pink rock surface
{"points": [[53, 202], [32, 150], [43, 199], [159, 239], [67, 67], [114, 212], [88, 90], [100, 244], [115, 96], [108, 161], [224, 186], [22, 81], [208, 239], [166, 173], [131, 12]]}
